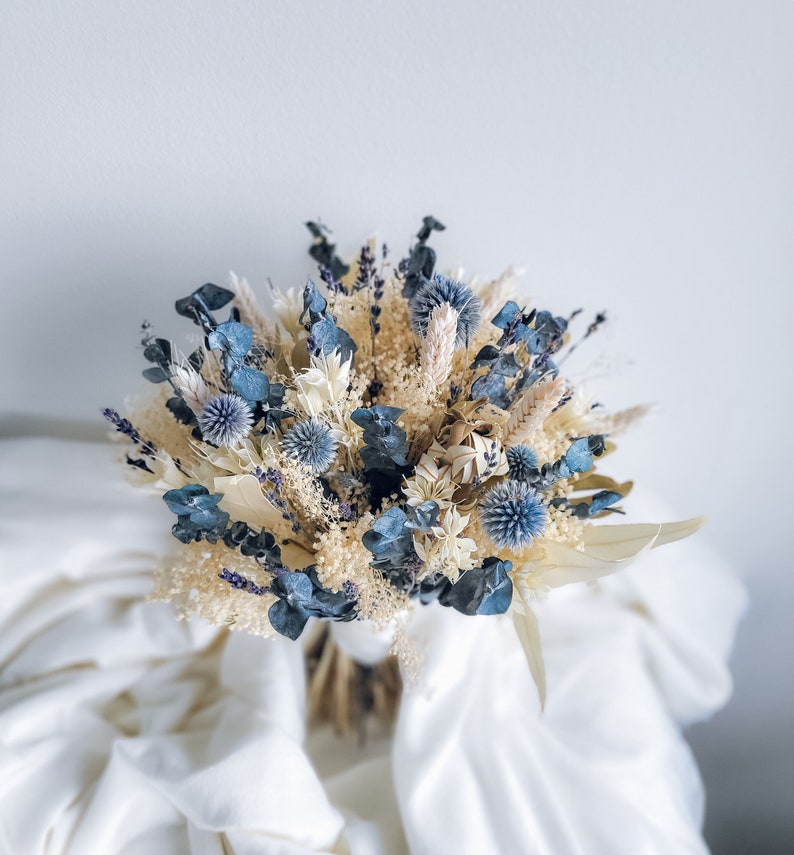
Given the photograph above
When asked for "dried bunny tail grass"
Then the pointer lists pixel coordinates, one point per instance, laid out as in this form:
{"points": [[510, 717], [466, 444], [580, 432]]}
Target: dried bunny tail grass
{"points": [[532, 409], [438, 347], [192, 584], [192, 387], [250, 310]]}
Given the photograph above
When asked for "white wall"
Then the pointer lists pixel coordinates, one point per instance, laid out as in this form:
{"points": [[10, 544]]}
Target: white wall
{"points": [[634, 156]]}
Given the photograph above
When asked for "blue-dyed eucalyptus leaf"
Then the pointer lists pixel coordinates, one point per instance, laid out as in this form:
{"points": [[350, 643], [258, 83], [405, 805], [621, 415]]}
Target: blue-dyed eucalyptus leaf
{"points": [[231, 337], [423, 517], [158, 351], [156, 374], [486, 590], [182, 501], [325, 335], [205, 501], [196, 359], [288, 620], [209, 518], [603, 500], [313, 302], [506, 314], [389, 540], [386, 529], [213, 297], [578, 458], [491, 386], [347, 347], [334, 605], [294, 587], [364, 416], [181, 411], [485, 356], [250, 384]]}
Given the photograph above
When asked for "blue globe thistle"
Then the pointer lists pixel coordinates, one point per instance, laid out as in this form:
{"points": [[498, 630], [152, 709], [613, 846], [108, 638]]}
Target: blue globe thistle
{"points": [[521, 459], [226, 420], [312, 444], [513, 515], [440, 290]]}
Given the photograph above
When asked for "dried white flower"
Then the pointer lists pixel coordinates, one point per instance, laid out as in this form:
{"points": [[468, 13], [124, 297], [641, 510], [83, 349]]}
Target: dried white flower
{"points": [[431, 482], [447, 551], [192, 387], [324, 383]]}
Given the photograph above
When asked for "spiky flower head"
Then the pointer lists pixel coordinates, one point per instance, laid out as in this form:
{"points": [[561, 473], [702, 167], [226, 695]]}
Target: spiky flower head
{"points": [[521, 459], [513, 515], [312, 444], [439, 290], [226, 420]]}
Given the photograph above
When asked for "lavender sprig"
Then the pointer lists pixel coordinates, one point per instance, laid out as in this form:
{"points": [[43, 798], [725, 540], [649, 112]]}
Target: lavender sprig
{"points": [[129, 430], [242, 583]]}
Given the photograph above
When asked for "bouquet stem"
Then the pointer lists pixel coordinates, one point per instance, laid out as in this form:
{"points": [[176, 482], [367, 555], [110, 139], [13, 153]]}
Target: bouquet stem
{"points": [[344, 693]]}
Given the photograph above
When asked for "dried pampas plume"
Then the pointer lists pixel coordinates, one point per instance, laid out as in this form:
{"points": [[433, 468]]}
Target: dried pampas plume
{"points": [[532, 409], [438, 346], [614, 423]]}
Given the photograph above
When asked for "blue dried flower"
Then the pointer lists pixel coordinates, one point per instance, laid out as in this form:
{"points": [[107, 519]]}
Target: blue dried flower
{"points": [[440, 290], [226, 420], [513, 515], [311, 443], [521, 460]]}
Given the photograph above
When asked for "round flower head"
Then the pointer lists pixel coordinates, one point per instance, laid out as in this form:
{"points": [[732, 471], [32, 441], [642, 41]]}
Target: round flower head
{"points": [[226, 420], [521, 459], [312, 444], [512, 515], [440, 290]]}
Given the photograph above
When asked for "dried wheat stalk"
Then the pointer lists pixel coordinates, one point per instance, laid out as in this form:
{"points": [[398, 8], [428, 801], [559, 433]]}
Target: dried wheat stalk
{"points": [[532, 409], [438, 346]]}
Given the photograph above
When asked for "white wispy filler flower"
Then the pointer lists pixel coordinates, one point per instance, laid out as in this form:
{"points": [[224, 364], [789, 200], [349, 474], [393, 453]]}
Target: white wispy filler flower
{"points": [[388, 437]]}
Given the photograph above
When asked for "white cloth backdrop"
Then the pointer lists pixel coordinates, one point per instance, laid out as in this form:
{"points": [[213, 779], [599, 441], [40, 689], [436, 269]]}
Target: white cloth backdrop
{"points": [[125, 731]]}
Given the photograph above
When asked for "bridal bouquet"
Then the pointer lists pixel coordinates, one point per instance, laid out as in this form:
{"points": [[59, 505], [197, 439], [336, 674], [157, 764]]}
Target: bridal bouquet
{"points": [[386, 436]]}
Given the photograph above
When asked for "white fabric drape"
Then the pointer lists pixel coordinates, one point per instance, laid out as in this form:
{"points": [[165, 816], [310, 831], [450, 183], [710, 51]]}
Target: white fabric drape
{"points": [[125, 731]]}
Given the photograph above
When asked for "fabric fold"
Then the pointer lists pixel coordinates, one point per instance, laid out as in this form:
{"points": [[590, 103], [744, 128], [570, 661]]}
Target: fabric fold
{"points": [[124, 731]]}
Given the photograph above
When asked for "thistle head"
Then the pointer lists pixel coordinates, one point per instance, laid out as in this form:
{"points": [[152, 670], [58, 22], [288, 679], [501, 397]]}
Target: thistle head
{"points": [[311, 443], [226, 420], [521, 460], [513, 515], [439, 290]]}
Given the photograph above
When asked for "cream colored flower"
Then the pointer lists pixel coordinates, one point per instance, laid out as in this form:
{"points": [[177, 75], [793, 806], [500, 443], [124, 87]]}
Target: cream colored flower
{"points": [[478, 457], [345, 431], [323, 383], [448, 552], [288, 306], [430, 483], [246, 456]]}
